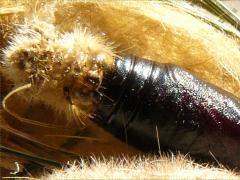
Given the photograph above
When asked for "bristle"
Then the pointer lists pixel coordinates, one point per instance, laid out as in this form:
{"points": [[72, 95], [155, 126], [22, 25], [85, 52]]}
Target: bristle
{"points": [[163, 167]]}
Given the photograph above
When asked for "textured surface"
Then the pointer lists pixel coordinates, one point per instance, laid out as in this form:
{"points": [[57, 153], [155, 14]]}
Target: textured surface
{"points": [[144, 29], [190, 115]]}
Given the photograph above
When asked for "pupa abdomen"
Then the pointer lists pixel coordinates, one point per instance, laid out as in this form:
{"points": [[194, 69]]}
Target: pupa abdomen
{"points": [[161, 102]]}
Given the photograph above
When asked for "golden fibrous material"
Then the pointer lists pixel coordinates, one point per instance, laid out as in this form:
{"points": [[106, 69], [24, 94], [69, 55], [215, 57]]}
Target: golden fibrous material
{"points": [[164, 31]]}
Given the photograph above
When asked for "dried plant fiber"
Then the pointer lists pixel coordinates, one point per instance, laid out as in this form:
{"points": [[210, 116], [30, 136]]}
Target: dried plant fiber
{"points": [[163, 31]]}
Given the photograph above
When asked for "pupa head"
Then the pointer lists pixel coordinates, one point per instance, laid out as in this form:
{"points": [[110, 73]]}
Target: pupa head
{"points": [[65, 70]]}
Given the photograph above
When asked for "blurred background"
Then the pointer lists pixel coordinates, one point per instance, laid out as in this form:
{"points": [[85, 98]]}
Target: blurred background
{"points": [[233, 5]]}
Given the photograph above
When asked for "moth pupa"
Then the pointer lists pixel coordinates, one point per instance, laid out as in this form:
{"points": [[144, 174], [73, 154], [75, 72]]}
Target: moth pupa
{"points": [[66, 63]]}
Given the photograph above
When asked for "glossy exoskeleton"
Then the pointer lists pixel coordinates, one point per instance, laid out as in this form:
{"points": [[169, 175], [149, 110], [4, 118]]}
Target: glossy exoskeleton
{"points": [[153, 102]]}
